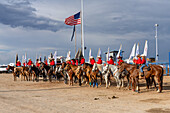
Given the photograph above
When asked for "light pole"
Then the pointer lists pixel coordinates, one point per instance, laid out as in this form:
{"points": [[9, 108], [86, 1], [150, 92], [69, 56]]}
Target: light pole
{"points": [[156, 37]]}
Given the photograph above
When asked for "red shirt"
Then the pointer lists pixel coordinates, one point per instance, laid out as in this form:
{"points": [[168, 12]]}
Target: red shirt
{"points": [[37, 64], [82, 61], [138, 61], [52, 63], [143, 61], [110, 62], [99, 61], [68, 62], [46, 62], [77, 62], [18, 64], [73, 62], [24, 64], [29, 63], [134, 61], [92, 61], [120, 61]]}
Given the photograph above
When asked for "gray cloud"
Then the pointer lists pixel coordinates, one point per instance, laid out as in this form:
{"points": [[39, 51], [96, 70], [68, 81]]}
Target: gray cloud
{"points": [[22, 14]]}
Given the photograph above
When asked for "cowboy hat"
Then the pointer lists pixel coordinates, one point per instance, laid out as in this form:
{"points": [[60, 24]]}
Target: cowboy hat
{"points": [[138, 55], [142, 55]]}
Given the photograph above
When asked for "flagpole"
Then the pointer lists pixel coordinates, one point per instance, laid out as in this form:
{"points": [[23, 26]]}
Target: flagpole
{"points": [[82, 30], [75, 41]]}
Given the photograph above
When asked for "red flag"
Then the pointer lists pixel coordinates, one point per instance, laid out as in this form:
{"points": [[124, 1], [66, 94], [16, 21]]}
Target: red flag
{"points": [[73, 20]]}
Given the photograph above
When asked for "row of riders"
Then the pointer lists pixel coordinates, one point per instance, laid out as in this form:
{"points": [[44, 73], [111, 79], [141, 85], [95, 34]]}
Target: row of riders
{"points": [[89, 72]]}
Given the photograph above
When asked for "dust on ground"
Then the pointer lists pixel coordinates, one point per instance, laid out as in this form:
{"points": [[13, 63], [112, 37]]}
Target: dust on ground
{"points": [[57, 97]]}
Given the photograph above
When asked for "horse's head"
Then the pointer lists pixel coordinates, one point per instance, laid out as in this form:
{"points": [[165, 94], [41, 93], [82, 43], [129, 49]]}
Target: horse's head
{"points": [[121, 67], [94, 67], [67, 67], [105, 69]]}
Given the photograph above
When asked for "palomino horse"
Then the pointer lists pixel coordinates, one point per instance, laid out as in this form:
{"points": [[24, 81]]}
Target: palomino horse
{"points": [[18, 71], [73, 70], [155, 70]]}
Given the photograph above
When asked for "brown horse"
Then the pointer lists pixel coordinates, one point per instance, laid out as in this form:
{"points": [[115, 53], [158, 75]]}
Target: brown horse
{"points": [[87, 68], [91, 75], [74, 70], [155, 70]]}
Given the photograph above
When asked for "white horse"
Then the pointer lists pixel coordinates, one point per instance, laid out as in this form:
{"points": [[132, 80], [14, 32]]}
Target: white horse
{"points": [[110, 70]]}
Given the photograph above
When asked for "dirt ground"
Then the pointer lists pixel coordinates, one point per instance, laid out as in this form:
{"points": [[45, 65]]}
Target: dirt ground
{"points": [[57, 97]]}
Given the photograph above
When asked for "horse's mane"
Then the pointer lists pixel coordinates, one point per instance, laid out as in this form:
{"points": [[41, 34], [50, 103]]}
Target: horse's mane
{"points": [[88, 64]]}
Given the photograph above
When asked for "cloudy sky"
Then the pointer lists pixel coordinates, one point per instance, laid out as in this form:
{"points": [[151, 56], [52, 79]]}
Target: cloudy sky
{"points": [[37, 27]]}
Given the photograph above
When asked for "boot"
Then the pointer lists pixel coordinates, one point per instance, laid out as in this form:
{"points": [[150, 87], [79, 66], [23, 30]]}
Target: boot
{"points": [[96, 84], [93, 84]]}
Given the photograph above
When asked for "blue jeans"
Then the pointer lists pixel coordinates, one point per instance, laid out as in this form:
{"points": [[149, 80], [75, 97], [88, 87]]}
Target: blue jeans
{"points": [[143, 65]]}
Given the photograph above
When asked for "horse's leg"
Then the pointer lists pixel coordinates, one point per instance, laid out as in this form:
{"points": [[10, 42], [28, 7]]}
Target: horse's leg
{"points": [[147, 83], [89, 81], [122, 82], [15, 77], [133, 84], [128, 81], [137, 84], [101, 79], [106, 79], [154, 82], [79, 77]]}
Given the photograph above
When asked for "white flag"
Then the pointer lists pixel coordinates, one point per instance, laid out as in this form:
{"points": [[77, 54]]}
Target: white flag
{"points": [[55, 56], [69, 55], [25, 59], [108, 54], [145, 48], [132, 52], [120, 49], [99, 53], [89, 54], [137, 50]]}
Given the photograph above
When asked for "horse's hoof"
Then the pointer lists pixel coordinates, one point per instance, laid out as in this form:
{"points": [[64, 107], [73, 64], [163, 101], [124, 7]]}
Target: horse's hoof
{"points": [[158, 91], [107, 88]]}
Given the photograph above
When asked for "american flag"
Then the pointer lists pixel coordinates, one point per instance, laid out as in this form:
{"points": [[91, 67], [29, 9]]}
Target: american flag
{"points": [[73, 20]]}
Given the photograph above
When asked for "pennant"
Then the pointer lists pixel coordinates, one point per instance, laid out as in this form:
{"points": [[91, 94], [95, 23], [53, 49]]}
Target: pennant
{"points": [[73, 33]]}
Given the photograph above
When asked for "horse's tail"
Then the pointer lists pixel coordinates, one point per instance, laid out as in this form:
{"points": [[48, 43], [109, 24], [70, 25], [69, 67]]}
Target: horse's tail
{"points": [[161, 78]]}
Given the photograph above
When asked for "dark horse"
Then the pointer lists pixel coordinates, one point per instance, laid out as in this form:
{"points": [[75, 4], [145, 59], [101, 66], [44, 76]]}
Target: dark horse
{"points": [[46, 69]]}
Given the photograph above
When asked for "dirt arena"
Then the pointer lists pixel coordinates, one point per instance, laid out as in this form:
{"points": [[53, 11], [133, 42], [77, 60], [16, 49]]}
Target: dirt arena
{"points": [[56, 97]]}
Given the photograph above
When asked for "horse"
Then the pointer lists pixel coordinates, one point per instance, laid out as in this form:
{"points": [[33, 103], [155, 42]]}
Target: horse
{"points": [[155, 70], [18, 71], [10, 68], [87, 68], [62, 72], [35, 73], [73, 70], [111, 70], [46, 69]]}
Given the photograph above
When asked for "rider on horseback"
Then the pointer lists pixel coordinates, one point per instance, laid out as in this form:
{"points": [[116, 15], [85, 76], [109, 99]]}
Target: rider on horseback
{"points": [[120, 60], [29, 64], [18, 64], [143, 63], [52, 63], [99, 60], [92, 61], [111, 61]]}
